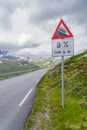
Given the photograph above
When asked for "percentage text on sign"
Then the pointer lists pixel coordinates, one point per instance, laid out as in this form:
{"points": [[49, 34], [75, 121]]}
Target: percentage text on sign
{"points": [[65, 44]]}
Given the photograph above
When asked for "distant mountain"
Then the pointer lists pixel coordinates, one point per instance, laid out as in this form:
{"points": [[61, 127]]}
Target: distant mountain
{"points": [[8, 55]]}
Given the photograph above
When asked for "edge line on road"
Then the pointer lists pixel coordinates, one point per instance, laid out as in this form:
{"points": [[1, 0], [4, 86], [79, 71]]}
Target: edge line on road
{"points": [[37, 81], [21, 103]]}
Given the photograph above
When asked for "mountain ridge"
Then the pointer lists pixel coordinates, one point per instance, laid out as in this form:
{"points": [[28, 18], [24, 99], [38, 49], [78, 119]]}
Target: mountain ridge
{"points": [[8, 55]]}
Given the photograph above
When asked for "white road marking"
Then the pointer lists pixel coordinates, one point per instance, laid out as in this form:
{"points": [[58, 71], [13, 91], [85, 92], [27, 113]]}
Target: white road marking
{"points": [[21, 103], [37, 81]]}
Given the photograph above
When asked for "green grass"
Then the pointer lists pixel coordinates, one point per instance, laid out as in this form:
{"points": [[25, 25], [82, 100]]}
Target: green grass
{"points": [[47, 113]]}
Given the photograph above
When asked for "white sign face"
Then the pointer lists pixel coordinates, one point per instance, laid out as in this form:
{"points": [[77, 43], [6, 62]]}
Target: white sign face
{"points": [[63, 47]]}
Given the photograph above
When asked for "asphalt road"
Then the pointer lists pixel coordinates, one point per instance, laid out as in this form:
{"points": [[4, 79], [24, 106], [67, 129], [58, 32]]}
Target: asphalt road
{"points": [[16, 99]]}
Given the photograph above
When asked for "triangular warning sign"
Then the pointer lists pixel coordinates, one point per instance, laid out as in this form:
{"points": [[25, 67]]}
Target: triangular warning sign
{"points": [[62, 31]]}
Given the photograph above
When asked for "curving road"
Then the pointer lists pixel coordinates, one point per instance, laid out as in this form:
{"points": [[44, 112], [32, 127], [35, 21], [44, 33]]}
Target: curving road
{"points": [[16, 99]]}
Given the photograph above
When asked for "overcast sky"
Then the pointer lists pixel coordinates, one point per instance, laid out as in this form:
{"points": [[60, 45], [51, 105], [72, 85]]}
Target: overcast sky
{"points": [[26, 26]]}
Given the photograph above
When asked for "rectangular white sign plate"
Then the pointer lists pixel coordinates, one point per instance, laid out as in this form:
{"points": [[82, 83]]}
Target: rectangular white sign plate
{"points": [[63, 47]]}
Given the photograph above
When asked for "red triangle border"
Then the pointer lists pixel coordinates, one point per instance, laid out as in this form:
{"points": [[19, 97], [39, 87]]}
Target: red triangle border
{"points": [[62, 37]]}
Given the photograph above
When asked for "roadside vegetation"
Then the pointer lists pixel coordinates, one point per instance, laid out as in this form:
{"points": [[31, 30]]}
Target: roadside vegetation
{"points": [[47, 113]]}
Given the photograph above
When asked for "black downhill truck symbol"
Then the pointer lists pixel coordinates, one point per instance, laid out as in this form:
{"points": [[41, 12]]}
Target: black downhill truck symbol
{"points": [[61, 32]]}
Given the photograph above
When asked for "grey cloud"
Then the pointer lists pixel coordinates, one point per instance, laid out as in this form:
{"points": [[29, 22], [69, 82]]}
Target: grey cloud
{"points": [[7, 7], [29, 44], [5, 20], [45, 10], [8, 46], [14, 46], [79, 11]]}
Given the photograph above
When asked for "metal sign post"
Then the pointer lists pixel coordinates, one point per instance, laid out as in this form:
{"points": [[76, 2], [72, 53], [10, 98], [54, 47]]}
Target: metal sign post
{"points": [[62, 68]]}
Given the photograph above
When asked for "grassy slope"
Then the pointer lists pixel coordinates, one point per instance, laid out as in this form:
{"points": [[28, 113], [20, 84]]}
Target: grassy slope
{"points": [[47, 113]]}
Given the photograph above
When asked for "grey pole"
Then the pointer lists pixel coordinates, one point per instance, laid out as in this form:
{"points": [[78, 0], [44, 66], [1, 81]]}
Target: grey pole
{"points": [[62, 81]]}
